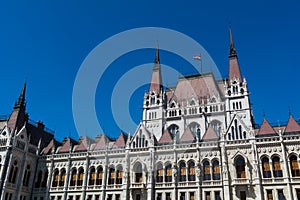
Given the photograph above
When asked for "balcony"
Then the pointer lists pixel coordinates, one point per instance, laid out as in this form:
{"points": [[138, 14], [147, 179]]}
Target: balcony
{"points": [[211, 183], [241, 181], [295, 179]]}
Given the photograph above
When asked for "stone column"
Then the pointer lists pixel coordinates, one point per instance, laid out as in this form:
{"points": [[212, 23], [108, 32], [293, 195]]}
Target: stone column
{"points": [[86, 175], [66, 184]]}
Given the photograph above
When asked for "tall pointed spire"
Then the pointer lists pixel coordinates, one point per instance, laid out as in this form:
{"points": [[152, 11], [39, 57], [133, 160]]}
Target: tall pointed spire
{"points": [[21, 99], [232, 51], [156, 80], [157, 61], [234, 69]]}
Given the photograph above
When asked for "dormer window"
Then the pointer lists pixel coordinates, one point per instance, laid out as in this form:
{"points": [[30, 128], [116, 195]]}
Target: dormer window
{"points": [[192, 103]]}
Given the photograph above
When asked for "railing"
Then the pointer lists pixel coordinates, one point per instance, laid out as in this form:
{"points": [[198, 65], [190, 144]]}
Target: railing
{"points": [[211, 183], [137, 185], [241, 181]]}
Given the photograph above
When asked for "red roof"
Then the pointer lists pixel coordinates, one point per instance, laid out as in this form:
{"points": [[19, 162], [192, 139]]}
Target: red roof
{"points": [[292, 126], [187, 136], [266, 128], [234, 69], [120, 142], [101, 143], [84, 144], [165, 138], [210, 134], [65, 147]]}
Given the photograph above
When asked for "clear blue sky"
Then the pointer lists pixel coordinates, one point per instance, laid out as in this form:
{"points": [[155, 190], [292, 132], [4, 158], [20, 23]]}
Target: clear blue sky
{"points": [[46, 41]]}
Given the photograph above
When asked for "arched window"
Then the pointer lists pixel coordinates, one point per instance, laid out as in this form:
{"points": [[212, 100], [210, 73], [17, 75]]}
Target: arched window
{"points": [[39, 179], [159, 173], [182, 171], [216, 125], [191, 171], [73, 177], [119, 175], [55, 178], [138, 173], [99, 176], [173, 130], [294, 166], [240, 166], [266, 167], [62, 177], [168, 173], [13, 172], [206, 170], [45, 179], [194, 126], [111, 178], [92, 177], [276, 167], [216, 170], [80, 177]]}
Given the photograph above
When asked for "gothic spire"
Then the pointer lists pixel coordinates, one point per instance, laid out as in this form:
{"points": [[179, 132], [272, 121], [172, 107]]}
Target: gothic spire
{"points": [[21, 99], [156, 80], [234, 68]]}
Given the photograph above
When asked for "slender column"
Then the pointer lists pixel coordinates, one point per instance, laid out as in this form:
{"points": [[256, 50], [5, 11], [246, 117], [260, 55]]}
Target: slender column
{"points": [[86, 173], [20, 176], [224, 161], [5, 171], [67, 178], [285, 166]]}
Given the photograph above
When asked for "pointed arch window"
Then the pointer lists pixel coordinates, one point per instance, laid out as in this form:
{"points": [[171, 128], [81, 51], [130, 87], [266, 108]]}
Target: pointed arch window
{"points": [[277, 171], [182, 171], [206, 170], [138, 173], [240, 166], [62, 177], [80, 177], [111, 178], [216, 170], [266, 167], [119, 177], [99, 176], [92, 176], [55, 178], [191, 170], [13, 172], [168, 173], [73, 177], [159, 173], [294, 166], [173, 130]]}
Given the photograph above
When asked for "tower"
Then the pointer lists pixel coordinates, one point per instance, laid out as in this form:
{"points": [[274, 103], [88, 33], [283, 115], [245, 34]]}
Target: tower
{"points": [[239, 119], [153, 105]]}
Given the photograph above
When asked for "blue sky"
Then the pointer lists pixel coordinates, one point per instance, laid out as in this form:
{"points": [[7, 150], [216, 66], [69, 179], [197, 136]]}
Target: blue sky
{"points": [[47, 41]]}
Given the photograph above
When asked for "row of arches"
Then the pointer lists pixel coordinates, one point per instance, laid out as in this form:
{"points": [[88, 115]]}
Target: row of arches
{"points": [[14, 173], [272, 167], [95, 176]]}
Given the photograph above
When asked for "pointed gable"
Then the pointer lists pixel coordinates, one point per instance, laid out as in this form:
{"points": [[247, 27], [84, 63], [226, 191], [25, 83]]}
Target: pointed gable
{"points": [[101, 143], [292, 126], [84, 144], [165, 138], [266, 128], [121, 141], [67, 144], [210, 134], [187, 136], [51, 146]]}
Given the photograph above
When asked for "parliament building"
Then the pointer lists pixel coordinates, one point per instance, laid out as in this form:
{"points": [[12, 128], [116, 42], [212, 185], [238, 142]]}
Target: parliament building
{"points": [[196, 141]]}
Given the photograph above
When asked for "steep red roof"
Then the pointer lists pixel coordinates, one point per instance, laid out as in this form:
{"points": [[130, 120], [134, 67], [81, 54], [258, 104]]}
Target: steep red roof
{"points": [[292, 126], [101, 143], [187, 136], [165, 138], [83, 144], [234, 68], [120, 142], [156, 80], [52, 144], [199, 87], [266, 128], [210, 134], [65, 147]]}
